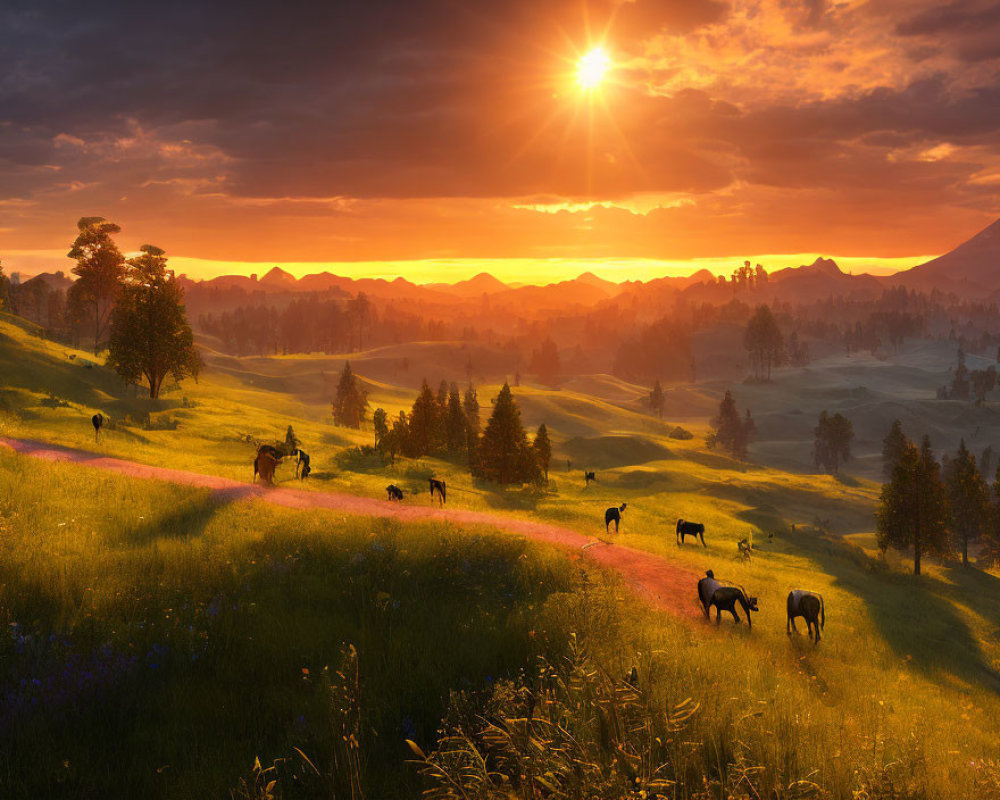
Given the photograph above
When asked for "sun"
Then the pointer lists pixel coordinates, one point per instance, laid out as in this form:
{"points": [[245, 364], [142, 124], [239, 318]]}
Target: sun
{"points": [[592, 68]]}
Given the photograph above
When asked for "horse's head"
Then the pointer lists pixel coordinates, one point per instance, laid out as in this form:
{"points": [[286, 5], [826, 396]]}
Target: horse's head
{"points": [[623, 506], [752, 604]]}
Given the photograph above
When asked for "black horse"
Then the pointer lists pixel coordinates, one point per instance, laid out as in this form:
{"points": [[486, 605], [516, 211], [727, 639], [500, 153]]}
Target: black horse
{"points": [[810, 606], [394, 492], [439, 487], [98, 422], [613, 515], [725, 598], [588, 477], [695, 529]]}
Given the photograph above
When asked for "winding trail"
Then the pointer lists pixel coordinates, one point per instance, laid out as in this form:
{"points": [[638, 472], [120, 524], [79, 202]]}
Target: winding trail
{"points": [[663, 584]]}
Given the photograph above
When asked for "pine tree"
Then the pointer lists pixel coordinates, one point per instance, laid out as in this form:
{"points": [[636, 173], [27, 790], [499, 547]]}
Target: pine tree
{"points": [[730, 431], [832, 444], [504, 453], [456, 426], [912, 508], [543, 449], [960, 382], [470, 404], [150, 337], [291, 441], [764, 342], [656, 399], [350, 401], [380, 424], [968, 500], [893, 446], [423, 424]]}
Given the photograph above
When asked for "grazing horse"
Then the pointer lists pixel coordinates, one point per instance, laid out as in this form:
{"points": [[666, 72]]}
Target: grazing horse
{"points": [[588, 477], [695, 529], [98, 422], [706, 588], [439, 487], [265, 465], [303, 461], [810, 606], [394, 492], [613, 515], [725, 598]]}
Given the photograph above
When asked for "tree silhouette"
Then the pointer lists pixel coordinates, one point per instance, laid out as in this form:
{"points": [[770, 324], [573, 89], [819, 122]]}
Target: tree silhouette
{"points": [[893, 446], [730, 431], [380, 424], [656, 399], [545, 362], [543, 449], [150, 337], [960, 381], [100, 269], [291, 441], [764, 342], [983, 382], [912, 508], [455, 425], [504, 453], [350, 401], [424, 423], [4, 291], [832, 444], [968, 500]]}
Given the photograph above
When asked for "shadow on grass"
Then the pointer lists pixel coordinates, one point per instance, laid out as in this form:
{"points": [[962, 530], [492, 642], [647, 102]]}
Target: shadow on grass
{"points": [[912, 613], [187, 520]]}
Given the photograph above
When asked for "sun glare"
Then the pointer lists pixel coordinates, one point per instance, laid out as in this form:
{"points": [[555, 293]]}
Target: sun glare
{"points": [[592, 68]]}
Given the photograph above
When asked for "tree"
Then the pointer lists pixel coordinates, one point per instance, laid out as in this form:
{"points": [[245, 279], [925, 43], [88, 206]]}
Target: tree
{"points": [[291, 441], [764, 342], [397, 439], [543, 449], [350, 401], [545, 362], [893, 446], [423, 424], [150, 337], [983, 382], [656, 399], [100, 269], [960, 382], [4, 291], [470, 404], [380, 423], [832, 444], [730, 431], [968, 500], [504, 453], [455, 424], [912, 509]]}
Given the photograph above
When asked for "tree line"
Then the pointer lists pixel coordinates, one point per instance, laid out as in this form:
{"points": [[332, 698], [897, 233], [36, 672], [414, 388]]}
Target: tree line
{"points": [[932, 507]]}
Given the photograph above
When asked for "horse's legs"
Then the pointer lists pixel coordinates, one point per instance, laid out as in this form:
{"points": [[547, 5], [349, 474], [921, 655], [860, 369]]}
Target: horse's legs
{"points": [[791, 620], [718, 614], [703, 540], [735, 615]]}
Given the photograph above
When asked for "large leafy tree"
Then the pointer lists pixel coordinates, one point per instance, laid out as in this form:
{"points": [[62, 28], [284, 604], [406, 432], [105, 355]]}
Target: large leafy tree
{"points": [[832, 444], [350, 401], [100, 271], [150, 337], [504, 453], [912, 508], [764, 342], [968, 500]]}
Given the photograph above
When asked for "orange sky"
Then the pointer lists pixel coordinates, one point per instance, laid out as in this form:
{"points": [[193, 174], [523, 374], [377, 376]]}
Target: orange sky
{"points": [[436, 139]]}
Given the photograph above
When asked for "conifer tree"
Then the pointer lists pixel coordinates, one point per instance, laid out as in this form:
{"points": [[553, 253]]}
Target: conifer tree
{"points": [[656, 399], [893, 446], [423, 423], [291, 441], [968, 500], [350, 401], [543, 449], [912, 508], [504, 453], [730, 431], [832, 444], [456, 426], [380, 425]]}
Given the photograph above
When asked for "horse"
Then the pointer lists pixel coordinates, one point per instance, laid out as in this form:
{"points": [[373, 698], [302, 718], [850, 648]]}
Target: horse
{"points": [[98, 422], [303, 461], [810, 606], [725, 598], [613, 515], [706, 588], [439, 487], [695, 529], [588, 477], [394, 492]]}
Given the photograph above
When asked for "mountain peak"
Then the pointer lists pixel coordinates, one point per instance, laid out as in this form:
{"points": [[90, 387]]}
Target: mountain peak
{"points": [[827, 265], [278, 276]]}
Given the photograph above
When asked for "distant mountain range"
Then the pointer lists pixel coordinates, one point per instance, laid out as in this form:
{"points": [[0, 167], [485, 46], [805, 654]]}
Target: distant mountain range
{"points": [[971, 270]]}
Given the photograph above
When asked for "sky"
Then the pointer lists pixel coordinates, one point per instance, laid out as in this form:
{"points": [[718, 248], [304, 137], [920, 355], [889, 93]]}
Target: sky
{"points": [[433, 139]]}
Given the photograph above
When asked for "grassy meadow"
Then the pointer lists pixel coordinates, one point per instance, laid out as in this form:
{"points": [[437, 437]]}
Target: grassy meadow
{"points": [[158, 639]]}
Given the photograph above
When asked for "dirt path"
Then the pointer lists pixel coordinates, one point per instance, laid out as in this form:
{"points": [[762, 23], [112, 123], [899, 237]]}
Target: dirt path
{"points": [[666, 586]]}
